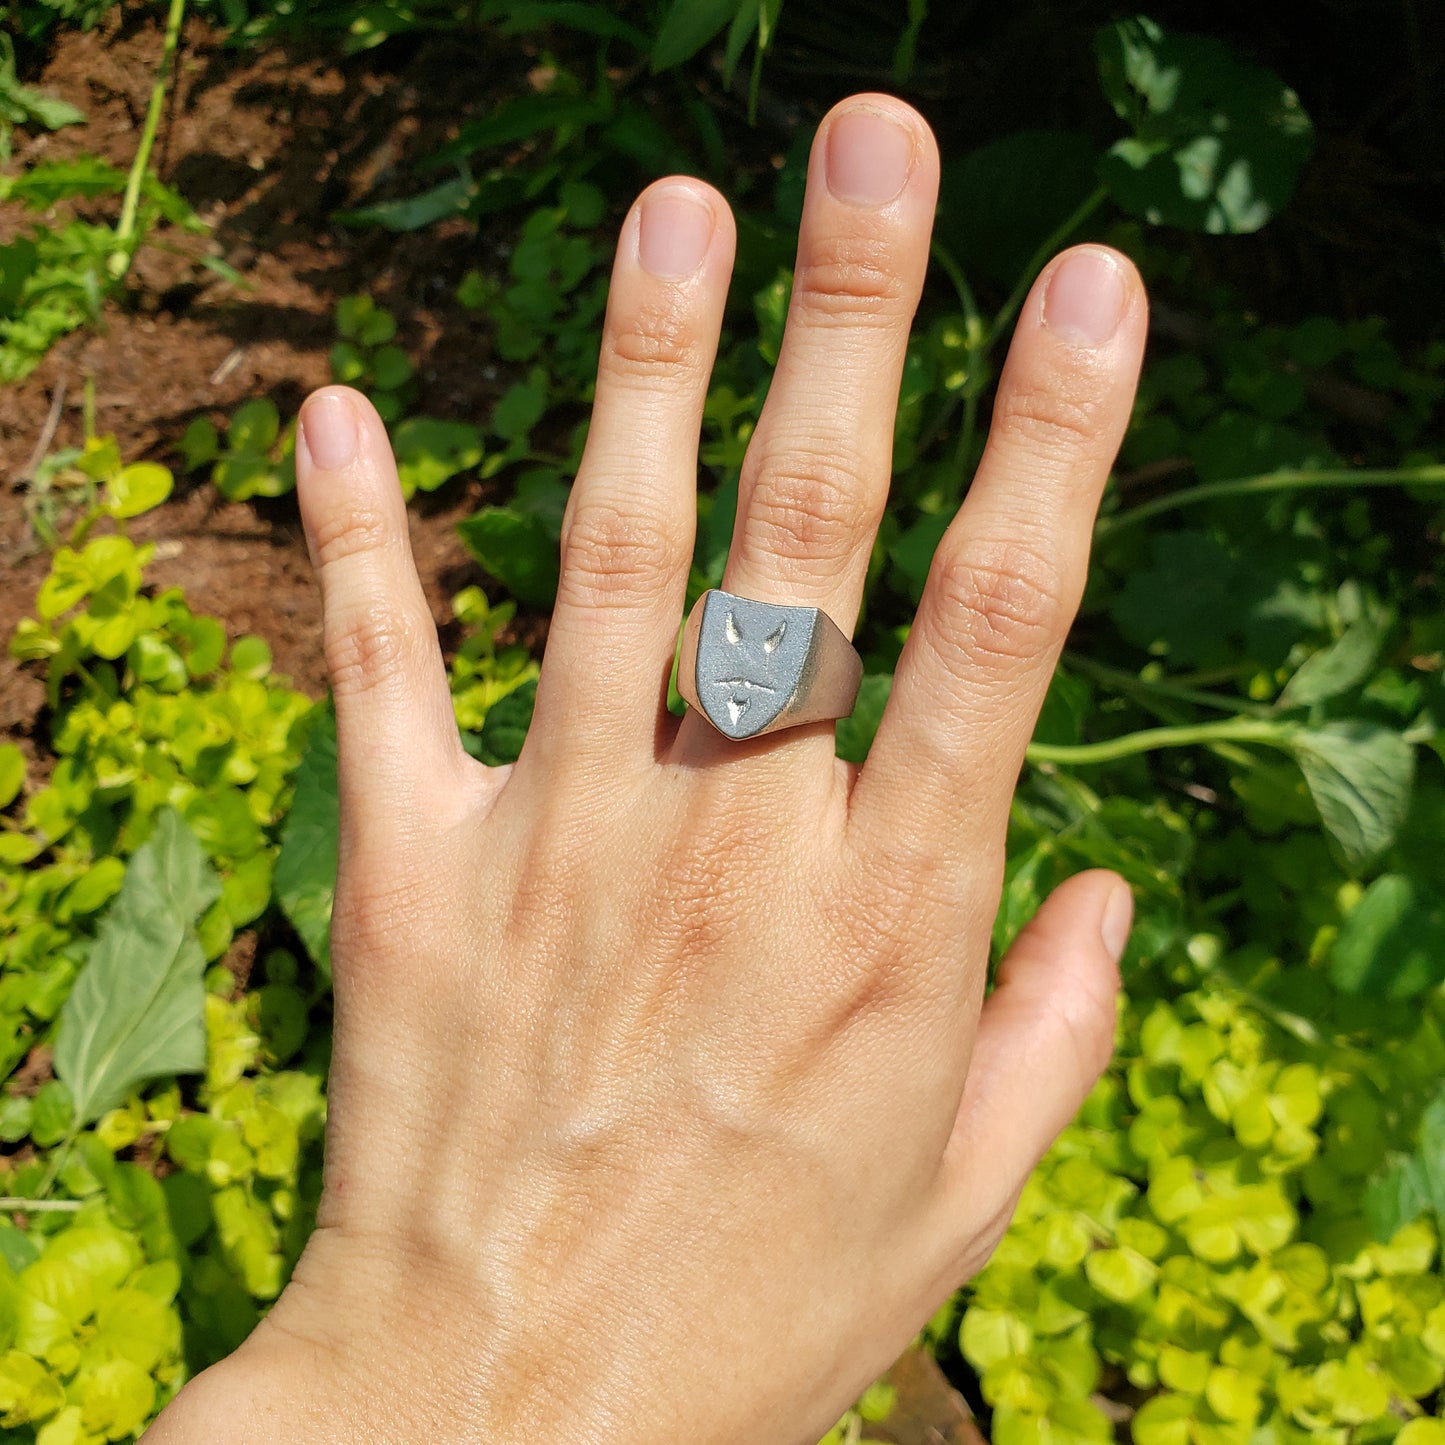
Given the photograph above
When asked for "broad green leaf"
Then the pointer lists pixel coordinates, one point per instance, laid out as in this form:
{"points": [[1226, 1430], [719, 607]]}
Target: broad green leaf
{"points": [[1422, 1432], [1218, 141], [200, 443], [255, 425], [1432, 1153], [687, 27], [305, 878], [390, 369], [412, 214], [518, 548], [251, 657], [519, 409], [1120, 1275], [137, 1011], [12, 773], [430, 452], [1337, 668], [1166, 1419], [137, 488], [504, 729], [1359, 775], [854, 733], [1392, 943], [998, 204]]}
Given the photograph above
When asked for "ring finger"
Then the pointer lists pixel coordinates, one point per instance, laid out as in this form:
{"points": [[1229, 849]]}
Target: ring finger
{"points": [[816, 477]]}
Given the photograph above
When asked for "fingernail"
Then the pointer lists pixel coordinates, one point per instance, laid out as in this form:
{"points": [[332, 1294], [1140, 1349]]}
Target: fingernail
{"points": [[1084, 302], [674, 232], [1114, 925], [869, 155], [328, 427]]}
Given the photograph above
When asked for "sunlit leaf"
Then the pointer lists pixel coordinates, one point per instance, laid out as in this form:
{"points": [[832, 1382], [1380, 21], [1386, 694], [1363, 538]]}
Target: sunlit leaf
{"points": [[137, 1010], [305, 878]]}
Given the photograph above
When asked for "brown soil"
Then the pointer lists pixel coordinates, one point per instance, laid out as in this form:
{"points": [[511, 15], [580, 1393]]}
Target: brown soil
{"points": [[266, 146]]}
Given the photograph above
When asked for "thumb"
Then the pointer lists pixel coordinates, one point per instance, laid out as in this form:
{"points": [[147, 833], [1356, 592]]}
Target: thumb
{"points": [[1045, 1035]]}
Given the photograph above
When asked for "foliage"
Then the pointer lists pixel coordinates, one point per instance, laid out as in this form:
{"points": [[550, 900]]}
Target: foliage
{"points": [[55, 278], [151, 850], [1197, 1233], [256, 455], [1239, 1238]]}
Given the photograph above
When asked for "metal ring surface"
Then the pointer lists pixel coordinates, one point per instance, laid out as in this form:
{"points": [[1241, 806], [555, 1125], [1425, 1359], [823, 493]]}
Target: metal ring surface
{"points": [[753, 667]]}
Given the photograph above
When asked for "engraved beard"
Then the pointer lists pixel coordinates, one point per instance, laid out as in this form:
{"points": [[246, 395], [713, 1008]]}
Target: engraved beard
{"points": [[743, 687]]}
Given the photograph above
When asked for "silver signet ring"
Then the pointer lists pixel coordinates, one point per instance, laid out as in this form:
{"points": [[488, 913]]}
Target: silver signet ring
{"points": [[753, 667]]}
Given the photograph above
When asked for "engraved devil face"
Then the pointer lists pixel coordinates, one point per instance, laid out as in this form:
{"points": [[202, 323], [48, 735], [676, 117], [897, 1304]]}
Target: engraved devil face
{"points": [[750, 658]]}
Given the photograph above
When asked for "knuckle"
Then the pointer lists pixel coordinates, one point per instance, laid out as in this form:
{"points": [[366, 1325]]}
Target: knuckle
{"points": [[808, 507], [852, 280], [1046, 420], [998, 602], [376, 920], [615, 554], [350, 530], [367, 647], [652, 343]]}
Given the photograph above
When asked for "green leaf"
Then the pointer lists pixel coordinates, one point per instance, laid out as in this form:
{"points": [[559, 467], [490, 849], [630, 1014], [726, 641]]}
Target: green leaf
{"points": [[137, 1011], [201, 443], [430, 452], [518, 410], [687, 27], [12, 773], [1432, 1153], [1392, 943], [504, 729], [412, 214], [1218, 142], [855, 732], [516, 120], [1359, 775], [54, 1113], [305, 879], [998, 204], [390, 369], [1396, 1198], [1166, 1419], [1337, 668], [137, 488], [255, 425], [518, 548], [251, 657], [1121, 1275]]}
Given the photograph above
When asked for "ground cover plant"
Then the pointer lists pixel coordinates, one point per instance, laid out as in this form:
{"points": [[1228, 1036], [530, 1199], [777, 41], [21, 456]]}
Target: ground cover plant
{"points": [[1239, 1240]]}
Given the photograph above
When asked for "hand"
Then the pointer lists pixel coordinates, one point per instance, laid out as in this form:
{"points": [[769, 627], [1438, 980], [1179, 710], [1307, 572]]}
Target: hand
{"points": [[666, 1103]]}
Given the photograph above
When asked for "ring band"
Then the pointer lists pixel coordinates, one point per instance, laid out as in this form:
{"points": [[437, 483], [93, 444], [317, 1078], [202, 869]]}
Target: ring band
{"points": [[754, 667]]}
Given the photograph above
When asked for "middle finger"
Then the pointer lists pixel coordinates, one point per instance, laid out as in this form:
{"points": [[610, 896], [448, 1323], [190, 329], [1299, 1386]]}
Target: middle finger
{"points": [[815, 480]]}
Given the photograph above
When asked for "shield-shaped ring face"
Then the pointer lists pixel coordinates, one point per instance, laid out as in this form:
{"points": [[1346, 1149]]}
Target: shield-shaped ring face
{"points": [[750, 661]]}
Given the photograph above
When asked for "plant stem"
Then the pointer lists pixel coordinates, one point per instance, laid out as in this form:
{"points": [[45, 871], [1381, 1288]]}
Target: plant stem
{"points": [[1235, 729], [120, 256], [950, 268], [1036, 262], [10, 1202], [1304, 479], [979, 342], [1131, 682]]}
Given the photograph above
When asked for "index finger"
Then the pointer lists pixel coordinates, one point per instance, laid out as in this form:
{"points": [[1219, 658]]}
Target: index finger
{"points": [[1008, 576]]}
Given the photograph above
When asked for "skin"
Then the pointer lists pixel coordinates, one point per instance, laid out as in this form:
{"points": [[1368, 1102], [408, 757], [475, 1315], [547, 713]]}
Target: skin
{"points": [[666, 1102]]}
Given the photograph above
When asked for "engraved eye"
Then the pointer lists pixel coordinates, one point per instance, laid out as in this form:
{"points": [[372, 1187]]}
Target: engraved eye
{"points": [[771, 643], [730, 630]]}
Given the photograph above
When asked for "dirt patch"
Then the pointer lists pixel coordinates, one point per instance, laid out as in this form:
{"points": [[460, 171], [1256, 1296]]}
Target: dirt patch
{"points": [[267, 146]]}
